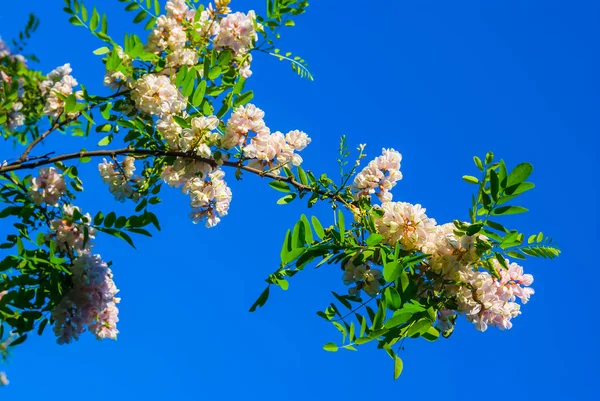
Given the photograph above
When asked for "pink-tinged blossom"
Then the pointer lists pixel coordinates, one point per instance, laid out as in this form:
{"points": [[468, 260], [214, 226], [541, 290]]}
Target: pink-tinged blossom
{"points": [[120, 180], [90, 303], [236, 32], [379, 176], [487, 301], [368, 279], [15, 118], [451, 255], [209, 194], [60, 81], [199, 137], [404, 223], [47, 187], [243, 121], [3, 379], [155, 94], [71, 235], [167, 34], [182, 57]]}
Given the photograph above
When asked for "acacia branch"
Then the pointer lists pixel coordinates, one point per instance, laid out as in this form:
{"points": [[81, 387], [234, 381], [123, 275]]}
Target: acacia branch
{"points": [[25, 165], [58, 125]]}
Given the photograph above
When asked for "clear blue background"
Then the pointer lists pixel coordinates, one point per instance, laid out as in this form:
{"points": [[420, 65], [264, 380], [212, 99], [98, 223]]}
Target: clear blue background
{"points": [[439, 81]]}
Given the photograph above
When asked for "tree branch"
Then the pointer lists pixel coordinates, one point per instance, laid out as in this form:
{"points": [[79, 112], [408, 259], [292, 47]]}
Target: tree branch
{"points": [[58, 125], [25, 165]]}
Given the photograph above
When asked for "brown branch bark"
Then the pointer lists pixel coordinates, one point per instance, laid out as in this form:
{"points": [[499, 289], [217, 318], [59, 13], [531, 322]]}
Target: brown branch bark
{"points": [[24, 165], [57, 125]]}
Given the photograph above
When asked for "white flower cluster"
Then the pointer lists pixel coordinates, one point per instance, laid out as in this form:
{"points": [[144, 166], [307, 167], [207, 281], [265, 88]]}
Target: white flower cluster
{"points": [[210, 196], [71, 235], [120, 179], [487, 301], [155, 94], [366, 278], [60, 81], [173, 31], [3, 379], [380, 176], [47, 187], [404, 223], [484, 299], [15, 117], [268, 150], [90, 303], [236, 32], [197, 139]]}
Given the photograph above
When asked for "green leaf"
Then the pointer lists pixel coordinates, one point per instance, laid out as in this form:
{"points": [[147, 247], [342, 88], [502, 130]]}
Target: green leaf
{"points": [[106, 140], [470, 179], [504, 210], [374, 239], [199, 93], [494, 185], [262, 299], [331, 347], [302, 176], [341, 224], [397, 319], [110, 219], [308, 236], [243, 99], [101, 50], [318, 227], [519, 174], [519, 188], [280, 186], [140, 17], [398, 366], [286, 199], [392, 270]]}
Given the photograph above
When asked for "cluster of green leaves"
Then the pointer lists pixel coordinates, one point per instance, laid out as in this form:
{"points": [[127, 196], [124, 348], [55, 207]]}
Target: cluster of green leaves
{"points": [[496, 188], [80, 16], [20, 42], [145, 10], [396, 313], [281, 13], [35, 276]]}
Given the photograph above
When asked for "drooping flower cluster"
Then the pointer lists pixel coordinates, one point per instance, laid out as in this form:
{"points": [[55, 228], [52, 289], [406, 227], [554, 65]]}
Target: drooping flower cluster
{"points": [[120, 179], [70, 234], [404, 223], [487, 301], [155, 94], [366, 278], [453, 264], [268, 150], [90, 304], [210, 196], [59, 81], [176, 33], [15, 117], [379, 176], [236, 32], [47, 187], [198, 139], [3, 379]]}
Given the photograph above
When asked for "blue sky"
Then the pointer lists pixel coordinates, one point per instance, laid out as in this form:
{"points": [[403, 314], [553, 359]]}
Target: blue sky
{"points": [[440, 82]]}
